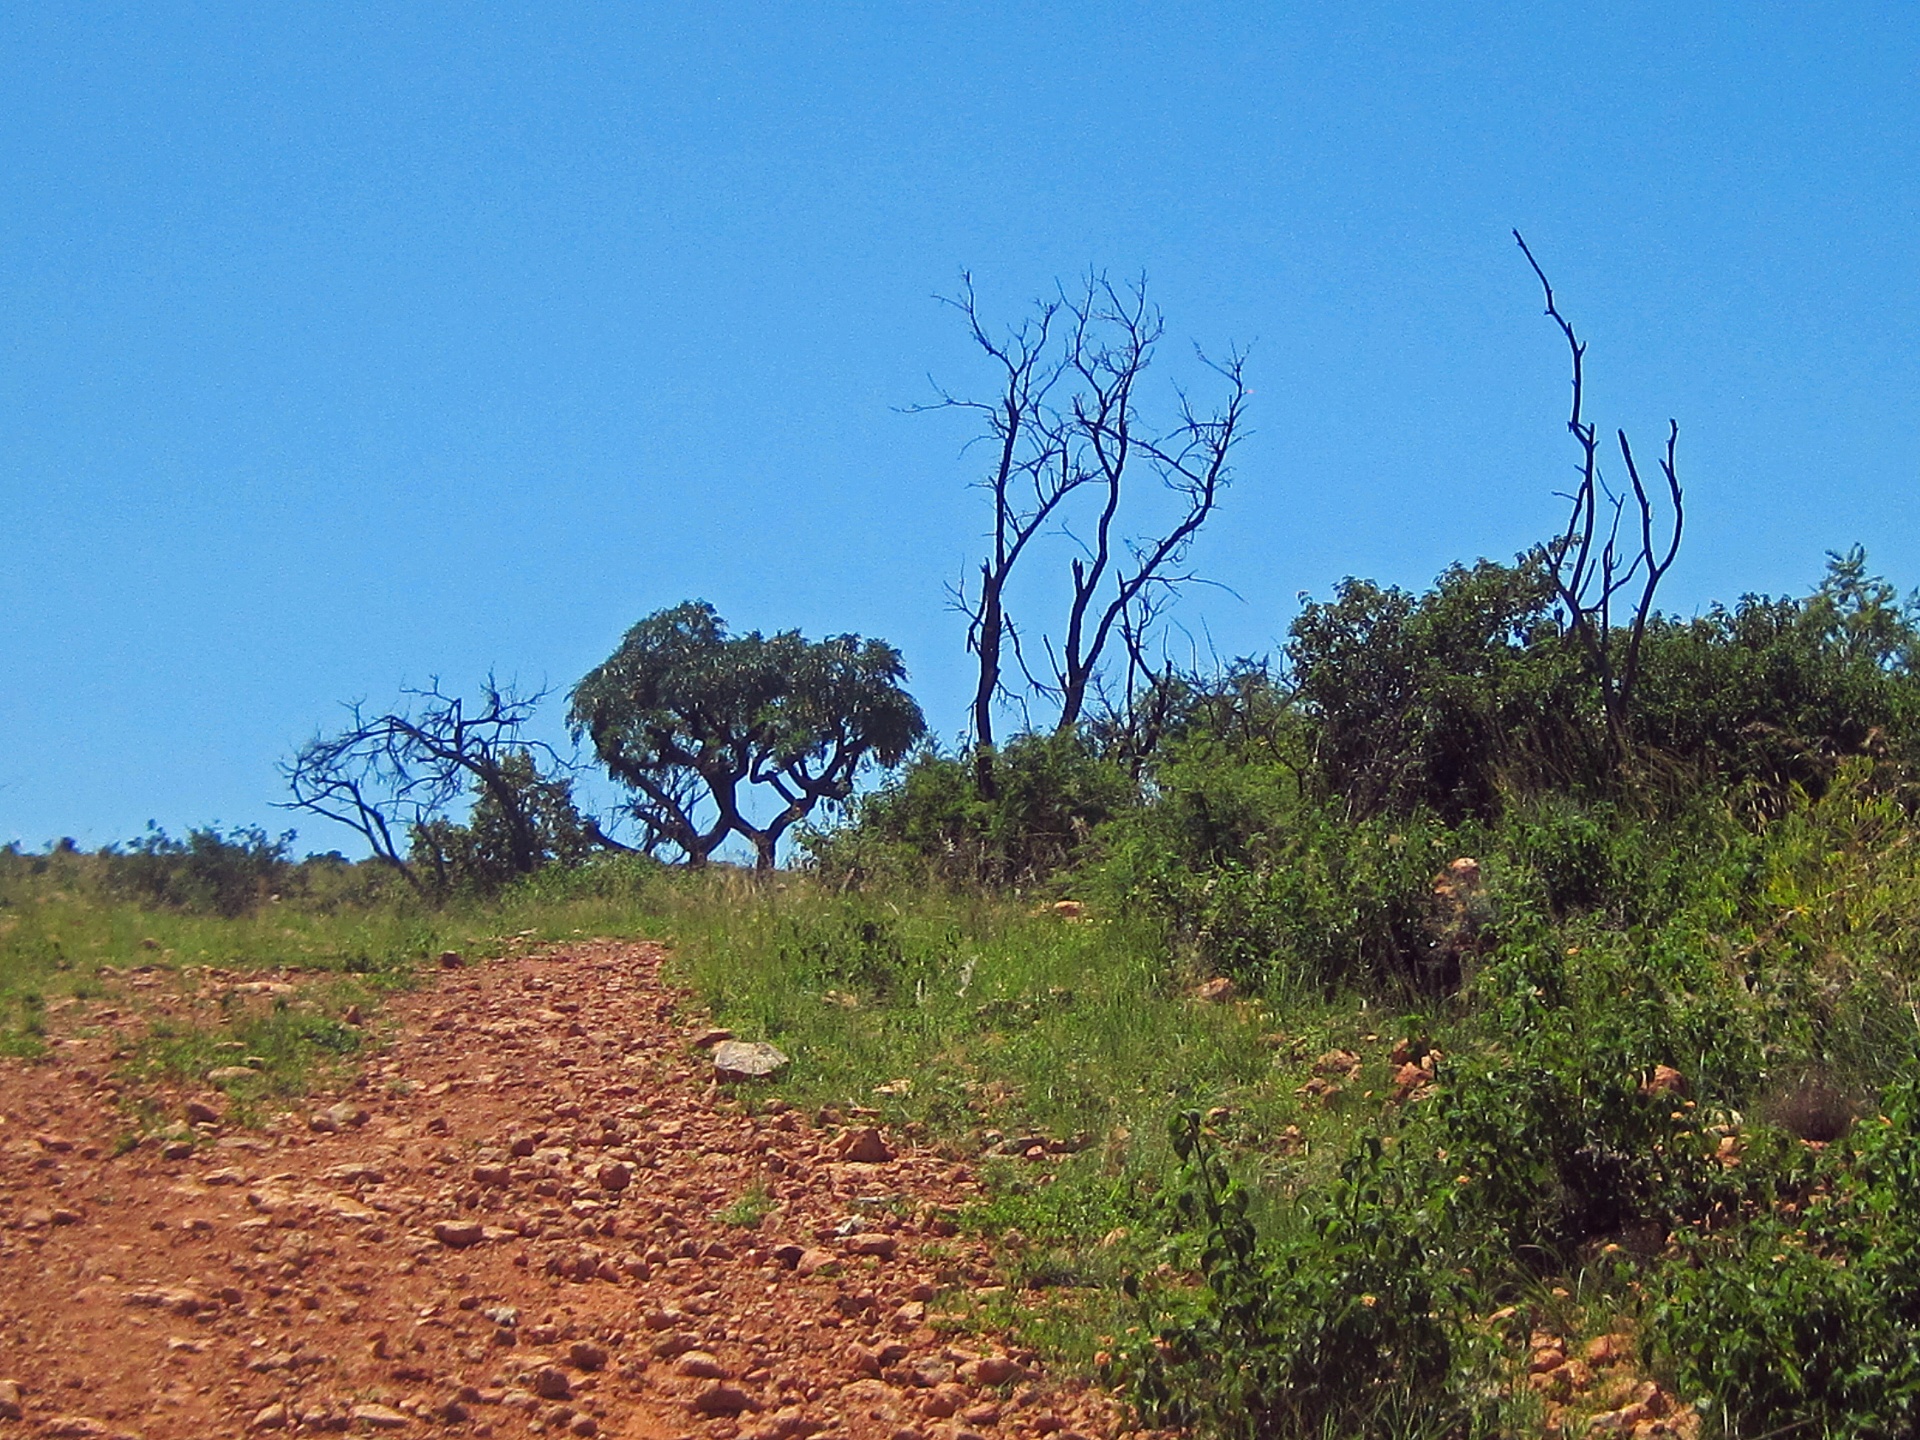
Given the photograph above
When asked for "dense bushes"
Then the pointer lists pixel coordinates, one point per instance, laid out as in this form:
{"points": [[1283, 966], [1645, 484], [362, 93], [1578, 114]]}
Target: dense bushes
{"points": [[222, 873], [1346, 1327], [1807, 1318], [1054, 792], [1647, 964]]}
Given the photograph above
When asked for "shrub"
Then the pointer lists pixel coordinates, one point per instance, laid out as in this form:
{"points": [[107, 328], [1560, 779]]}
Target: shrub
{"points": [[1807, 1320], [480, 856], [1447, 700], [227, 874], [1328, 903], [1054, 792], [1346, 1327]]}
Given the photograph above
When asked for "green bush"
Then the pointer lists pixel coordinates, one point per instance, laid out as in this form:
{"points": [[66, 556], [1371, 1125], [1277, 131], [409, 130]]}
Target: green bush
{"points": [[223, 874], [1348, 1326], [1054, 792], [1446, 701], [1807, 1320], [479, 857]]}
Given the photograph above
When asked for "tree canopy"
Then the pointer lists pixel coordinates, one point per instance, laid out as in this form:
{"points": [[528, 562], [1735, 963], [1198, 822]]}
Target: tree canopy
{"points": [[685, 715]]}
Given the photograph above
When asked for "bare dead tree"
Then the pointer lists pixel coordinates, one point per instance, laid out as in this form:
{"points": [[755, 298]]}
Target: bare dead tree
{"points": [[388, 775], [1590, 567], [1070, 445], [1031, 478]]}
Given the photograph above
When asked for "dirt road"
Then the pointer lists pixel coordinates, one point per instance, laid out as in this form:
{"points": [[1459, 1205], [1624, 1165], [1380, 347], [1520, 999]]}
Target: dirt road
{"points": [[530, 1216]]}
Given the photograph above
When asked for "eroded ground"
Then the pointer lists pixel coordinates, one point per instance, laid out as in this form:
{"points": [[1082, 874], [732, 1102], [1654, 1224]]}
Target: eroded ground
{"points": [[533, 1213]]}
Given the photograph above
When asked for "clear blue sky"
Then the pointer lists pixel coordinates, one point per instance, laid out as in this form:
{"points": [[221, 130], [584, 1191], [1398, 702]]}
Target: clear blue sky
{"points": [[346, 345]]}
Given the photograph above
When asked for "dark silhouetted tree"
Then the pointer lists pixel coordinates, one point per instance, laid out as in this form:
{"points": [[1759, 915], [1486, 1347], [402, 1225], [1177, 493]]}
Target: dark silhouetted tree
{"points": [[1073, 452], [392, 777]]}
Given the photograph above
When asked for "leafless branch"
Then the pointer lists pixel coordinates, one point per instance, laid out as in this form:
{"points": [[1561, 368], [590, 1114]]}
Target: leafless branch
{"points": [[1589, 569]]}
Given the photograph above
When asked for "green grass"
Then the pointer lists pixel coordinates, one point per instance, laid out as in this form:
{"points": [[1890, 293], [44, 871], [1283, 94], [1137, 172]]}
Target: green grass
{"points": [[67, 934], [985, 1025], [969, 1015]]}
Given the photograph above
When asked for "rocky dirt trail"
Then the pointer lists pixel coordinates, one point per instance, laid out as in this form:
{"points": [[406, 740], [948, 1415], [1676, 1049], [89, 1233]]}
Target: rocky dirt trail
{"points": [[510, 1225]]}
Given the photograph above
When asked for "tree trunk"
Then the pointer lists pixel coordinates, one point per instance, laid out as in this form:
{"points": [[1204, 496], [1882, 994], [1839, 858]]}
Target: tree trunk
{"points": [[984, 783]]}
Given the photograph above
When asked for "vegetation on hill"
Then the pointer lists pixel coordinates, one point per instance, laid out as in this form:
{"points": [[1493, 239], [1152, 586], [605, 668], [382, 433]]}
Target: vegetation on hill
{"points": [[1499, 1011], [1514, 1038]]}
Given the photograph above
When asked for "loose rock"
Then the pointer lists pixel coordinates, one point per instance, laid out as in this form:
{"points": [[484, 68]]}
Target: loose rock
{"points": [[458, 1234], [378, 1417], [865, 1146], [747, 1060]]}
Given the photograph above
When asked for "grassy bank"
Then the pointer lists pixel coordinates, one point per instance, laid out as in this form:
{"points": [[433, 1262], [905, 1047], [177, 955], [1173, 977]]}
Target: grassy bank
{"points": [[1652, 1088]]}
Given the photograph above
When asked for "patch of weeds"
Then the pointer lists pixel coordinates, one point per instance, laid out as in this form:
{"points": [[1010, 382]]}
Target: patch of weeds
{"points": [[1805, 1318], [748, 1210], [284, 1051], [1347, 1326], [26, 1036]]}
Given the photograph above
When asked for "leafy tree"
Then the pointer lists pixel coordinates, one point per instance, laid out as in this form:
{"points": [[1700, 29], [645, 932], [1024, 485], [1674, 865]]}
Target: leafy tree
{"points": [[1446, 698], [482, 854], [1773, 693], [1862, 616], [685, 714]]}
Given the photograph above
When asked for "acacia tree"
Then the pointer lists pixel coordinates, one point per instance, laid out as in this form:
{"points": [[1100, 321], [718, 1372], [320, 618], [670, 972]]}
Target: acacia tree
{"points": [[1072, 453], [685, 715], [391, 777], [1589, 565]]}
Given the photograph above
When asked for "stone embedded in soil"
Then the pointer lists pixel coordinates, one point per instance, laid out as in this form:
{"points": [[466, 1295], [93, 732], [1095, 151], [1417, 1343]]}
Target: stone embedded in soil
{"points": [[865, 1146], [882, 1247], [615, 1176], [551, 1383], [459, 1234], [378, 1417], [700, 1365], [354, 1173], [221, 1074], [943, 1400], [721, 1398], [78, 1427], [747, 1060], [991, 1370], [707, 1039], [177, 1299], [817, 1262], [199, 1112], [11, 1399]]}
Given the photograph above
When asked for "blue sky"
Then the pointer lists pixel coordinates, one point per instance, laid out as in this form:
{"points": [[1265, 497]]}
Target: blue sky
{"points": [[345, 346]]}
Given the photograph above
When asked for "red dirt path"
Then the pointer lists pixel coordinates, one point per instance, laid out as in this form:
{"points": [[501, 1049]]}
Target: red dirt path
{"points": [[292, 1280]]}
